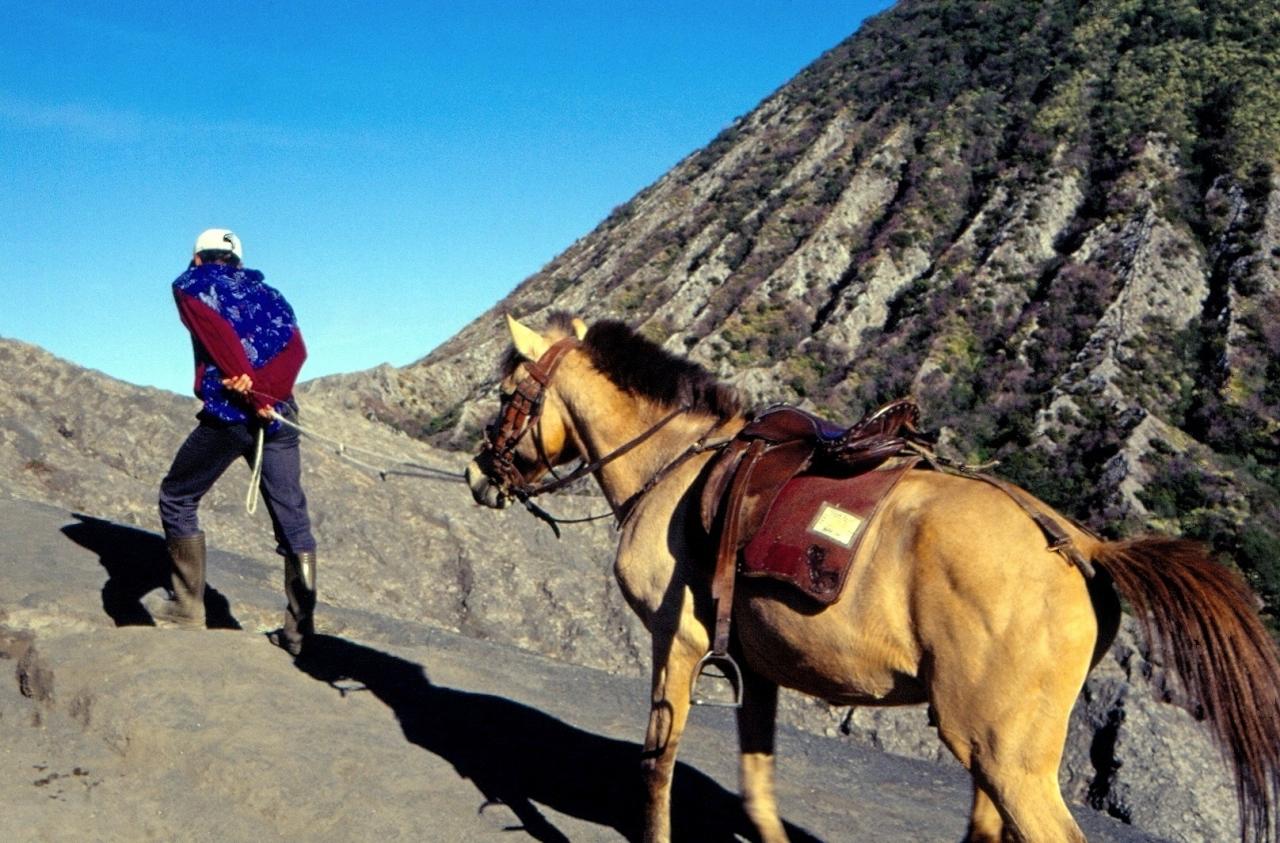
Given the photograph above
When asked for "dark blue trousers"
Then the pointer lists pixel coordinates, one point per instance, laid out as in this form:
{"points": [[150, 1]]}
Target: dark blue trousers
{"points": [[210, 449]]}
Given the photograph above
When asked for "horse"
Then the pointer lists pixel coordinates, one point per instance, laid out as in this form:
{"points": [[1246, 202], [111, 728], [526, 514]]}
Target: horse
{"points": [[953, 598]]}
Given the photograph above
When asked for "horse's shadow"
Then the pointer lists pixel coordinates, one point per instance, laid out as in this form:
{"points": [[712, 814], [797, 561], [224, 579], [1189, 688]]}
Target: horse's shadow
{"points": [[137, 563], [522, 757]]}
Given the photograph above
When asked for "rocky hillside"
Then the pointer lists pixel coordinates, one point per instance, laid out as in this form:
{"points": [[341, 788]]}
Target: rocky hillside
{"points": [[415, 547], [403, 562], [1056, 224]]}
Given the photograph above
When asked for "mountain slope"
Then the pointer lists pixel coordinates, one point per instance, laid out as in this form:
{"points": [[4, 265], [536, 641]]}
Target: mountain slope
{"points": [[416, 547], [1055, 224], [412, 562]]}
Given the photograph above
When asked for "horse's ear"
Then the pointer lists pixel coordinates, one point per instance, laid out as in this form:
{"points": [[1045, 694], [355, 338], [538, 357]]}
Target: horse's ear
{"points": [[529, 343], [579, 328]]}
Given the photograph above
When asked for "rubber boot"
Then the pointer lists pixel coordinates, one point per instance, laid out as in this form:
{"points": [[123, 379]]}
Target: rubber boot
{"points": [[300, 591], [187, 578]]}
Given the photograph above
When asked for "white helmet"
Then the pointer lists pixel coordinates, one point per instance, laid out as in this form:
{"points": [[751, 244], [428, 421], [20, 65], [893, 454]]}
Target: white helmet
{"points": [[219, 240]]}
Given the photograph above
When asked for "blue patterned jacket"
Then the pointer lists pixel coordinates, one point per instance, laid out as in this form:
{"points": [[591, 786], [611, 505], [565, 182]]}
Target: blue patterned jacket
{"points": [[239, 325]]}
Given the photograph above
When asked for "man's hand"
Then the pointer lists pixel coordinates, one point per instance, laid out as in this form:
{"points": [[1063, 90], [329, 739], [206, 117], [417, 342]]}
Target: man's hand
{"points": [[242, 384]]}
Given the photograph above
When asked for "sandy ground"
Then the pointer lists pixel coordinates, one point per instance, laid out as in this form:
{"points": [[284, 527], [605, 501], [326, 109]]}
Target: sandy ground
{"points": [[385, 731]]}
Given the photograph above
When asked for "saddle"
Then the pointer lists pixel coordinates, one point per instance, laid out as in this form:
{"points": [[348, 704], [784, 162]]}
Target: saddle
{"points": [[775, 451], [782, 442]]}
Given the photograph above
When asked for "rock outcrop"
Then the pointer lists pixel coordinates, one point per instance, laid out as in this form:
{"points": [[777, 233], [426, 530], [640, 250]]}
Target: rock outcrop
{"points": [[408, 559]]}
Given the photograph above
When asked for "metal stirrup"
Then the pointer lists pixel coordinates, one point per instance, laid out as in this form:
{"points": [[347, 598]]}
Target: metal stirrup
{"points": [[729, 672]]}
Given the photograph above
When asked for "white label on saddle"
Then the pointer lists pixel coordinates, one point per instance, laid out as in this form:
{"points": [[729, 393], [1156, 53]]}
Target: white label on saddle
{"points": [[836, 524]]}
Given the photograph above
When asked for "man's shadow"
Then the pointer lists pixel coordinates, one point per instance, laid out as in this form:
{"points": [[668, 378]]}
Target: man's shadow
{"points": [[137, 563], [522, 757]]}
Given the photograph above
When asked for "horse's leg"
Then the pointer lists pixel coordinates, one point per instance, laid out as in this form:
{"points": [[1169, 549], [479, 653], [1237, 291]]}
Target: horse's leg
{"points": [[1032, 806], [1010, 735], [756, 719], [985, 824], [1016, 795], [668, 713]]}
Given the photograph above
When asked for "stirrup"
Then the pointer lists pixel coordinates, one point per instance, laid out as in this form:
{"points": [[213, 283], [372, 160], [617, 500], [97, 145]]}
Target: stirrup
{"points": [[728, 672]]}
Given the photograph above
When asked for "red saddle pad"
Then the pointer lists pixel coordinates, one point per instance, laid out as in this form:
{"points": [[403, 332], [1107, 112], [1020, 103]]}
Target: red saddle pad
{"points": [[812, 531]]}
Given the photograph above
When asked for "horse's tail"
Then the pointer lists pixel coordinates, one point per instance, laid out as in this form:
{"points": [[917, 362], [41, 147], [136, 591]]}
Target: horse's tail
{"points": [[1200, 617]]}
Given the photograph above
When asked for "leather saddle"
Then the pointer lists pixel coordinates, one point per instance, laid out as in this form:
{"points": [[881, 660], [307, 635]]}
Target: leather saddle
{"points": [[782, 442]]}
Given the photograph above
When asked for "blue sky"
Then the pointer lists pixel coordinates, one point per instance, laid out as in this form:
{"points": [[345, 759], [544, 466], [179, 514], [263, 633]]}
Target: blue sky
{"points": [[394, 168]]}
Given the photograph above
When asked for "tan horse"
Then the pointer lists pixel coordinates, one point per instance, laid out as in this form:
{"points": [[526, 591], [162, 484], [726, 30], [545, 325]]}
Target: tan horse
{"points": [[953, 598]]}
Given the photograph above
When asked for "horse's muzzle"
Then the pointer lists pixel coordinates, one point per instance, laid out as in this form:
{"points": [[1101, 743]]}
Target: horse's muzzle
{"points": [[483, 489]]}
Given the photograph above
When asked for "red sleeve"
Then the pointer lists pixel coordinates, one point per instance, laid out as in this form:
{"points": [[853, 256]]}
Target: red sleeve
{"points": [[274, 381], [215, 334]]}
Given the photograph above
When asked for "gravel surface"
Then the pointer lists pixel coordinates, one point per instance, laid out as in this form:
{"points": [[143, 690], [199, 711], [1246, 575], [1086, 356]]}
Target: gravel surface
{"points": [[388, 730]]}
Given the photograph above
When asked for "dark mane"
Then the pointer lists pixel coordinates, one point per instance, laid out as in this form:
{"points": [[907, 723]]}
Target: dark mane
{"points": [[641, 367]]}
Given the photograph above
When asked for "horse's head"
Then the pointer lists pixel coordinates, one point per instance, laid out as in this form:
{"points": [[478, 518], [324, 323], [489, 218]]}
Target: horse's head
{"points": [[530, 434]]}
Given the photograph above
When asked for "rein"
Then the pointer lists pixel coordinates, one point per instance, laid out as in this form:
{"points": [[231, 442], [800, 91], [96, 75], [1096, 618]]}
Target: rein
{"points": [[700, 447], [521, 411], [391, 464], [624, 510], [622, 450]]}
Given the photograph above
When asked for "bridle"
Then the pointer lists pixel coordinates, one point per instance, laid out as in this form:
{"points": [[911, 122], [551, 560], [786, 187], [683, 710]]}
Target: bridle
{"points": [[520, 412]]}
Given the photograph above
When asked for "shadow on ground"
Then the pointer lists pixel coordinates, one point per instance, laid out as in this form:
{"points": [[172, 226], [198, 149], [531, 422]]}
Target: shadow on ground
{"points": [[137, 563], [522, 757]]}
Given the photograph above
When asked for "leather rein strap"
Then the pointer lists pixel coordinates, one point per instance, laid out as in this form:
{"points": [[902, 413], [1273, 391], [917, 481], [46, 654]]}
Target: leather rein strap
{"points": [[518, 415], [590, 468]]}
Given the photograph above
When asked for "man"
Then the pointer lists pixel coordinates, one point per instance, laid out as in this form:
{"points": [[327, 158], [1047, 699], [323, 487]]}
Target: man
{"points": [[248, 351]]}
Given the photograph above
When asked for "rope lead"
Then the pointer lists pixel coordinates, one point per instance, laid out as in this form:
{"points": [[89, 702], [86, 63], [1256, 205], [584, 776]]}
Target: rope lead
{"points": [[255, 480], [389, 461]]}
